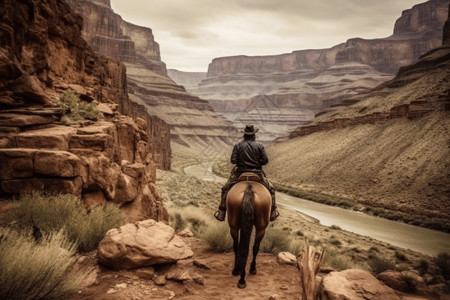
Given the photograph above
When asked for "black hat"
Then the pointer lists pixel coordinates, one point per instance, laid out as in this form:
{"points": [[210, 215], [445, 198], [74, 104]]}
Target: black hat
{"points": [[250, 130]]}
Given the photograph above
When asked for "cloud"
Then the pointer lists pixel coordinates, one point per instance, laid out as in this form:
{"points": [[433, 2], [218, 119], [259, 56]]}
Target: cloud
{"points": [[193, 32]]}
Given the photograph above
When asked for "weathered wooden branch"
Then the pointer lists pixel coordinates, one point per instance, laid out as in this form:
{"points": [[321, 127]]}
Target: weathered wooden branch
{"points": [[309, 263]]}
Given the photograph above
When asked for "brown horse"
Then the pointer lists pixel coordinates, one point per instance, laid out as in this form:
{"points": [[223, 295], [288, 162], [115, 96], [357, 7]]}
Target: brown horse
{"points": [[248, 205]]}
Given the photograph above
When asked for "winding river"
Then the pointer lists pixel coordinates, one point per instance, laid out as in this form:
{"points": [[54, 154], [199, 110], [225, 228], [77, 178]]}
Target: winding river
{"points": [[416, 238]]}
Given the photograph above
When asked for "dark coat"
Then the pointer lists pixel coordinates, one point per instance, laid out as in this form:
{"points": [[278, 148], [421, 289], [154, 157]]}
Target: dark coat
{"points": [[249, 155]]}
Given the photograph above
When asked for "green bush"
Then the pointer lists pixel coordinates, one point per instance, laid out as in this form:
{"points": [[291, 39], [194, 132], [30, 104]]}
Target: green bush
{"points": [[65, 212], [37, 271], [337, 261], [75, 109], [380, 264], [190, 217], [217, 237], [275, 241]]}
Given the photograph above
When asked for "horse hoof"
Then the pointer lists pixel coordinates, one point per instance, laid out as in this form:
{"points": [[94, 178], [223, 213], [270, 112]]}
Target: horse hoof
{"points": [[253, 272], [241, 285]]}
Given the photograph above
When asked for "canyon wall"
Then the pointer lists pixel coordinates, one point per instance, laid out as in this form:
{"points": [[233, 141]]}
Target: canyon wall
{"points": [[195, 127], [313, 80], [42, 56], [390, 149]]}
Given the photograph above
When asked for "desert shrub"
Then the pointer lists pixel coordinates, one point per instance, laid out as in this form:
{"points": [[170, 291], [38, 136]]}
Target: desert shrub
{"points": [[275, 241], [75, 109], [192, 218], [37, 271], [296, 247], [400, 256], [176, 221], [442, 261], [336, 242], [217, 237], [299, 233], [335, 227], [65, 212], [380, 264], [423, 265], [339, 261]]}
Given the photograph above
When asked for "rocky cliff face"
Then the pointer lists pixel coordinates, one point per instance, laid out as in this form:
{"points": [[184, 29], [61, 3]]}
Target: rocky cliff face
{"points": [[42, 55], [320, 78], [195, 127], [389, 149], [109, 34]]}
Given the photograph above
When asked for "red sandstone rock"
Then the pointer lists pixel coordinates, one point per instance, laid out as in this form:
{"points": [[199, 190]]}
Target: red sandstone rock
{"points": [[141, 244]]}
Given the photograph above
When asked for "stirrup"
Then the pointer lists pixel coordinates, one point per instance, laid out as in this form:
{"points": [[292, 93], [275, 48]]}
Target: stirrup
{"points": [[274, 215], [220, 215]]}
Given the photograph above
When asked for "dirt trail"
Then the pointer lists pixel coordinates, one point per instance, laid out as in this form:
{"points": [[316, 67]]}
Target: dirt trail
{"points": [[273, 281]]}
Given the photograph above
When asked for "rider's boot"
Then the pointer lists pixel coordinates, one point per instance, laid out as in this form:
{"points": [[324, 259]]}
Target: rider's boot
{"points": [[273, 212], [220, 213]]}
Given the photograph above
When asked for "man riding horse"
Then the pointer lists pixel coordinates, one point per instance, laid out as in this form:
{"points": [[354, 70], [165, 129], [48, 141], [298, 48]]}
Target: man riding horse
{"points": [[248, 156]]}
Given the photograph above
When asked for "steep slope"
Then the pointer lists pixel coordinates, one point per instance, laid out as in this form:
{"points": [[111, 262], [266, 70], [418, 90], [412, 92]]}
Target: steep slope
{"points": [[194, 124], [311, 80], [110, 160], [391, 149]]}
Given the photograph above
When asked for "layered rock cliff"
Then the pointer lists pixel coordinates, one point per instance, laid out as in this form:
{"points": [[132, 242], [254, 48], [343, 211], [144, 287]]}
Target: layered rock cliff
{"points": [[390, 149], [313, 80], [43, 55], [195, 127]]}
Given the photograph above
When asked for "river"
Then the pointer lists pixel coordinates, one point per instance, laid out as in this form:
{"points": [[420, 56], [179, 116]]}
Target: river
{"points": [[403, 235]]}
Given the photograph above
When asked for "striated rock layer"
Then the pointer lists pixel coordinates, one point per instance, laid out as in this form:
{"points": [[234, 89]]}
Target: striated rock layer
{"points": [[113, 160], [195, 127], [390, 149], [313, 80]]}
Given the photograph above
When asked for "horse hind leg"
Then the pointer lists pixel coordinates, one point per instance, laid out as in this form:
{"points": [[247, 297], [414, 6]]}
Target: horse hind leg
{"points": [[258, 239], [242, 284], [235, 237]]}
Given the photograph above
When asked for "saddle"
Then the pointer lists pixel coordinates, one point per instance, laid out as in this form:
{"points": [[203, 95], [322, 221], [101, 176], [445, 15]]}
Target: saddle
{"points": [[249, 176]]}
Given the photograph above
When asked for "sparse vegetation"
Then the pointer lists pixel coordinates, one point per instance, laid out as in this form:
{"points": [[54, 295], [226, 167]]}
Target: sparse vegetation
{"points": [[64, 212], [340, 262], [30, 270], [275, 241], [75, 109], [217, 237], [442, 261], [380, 264]]}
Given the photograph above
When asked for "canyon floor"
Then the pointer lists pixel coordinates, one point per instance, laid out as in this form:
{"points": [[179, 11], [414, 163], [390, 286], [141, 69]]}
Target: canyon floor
{"points": [[273, 281]]}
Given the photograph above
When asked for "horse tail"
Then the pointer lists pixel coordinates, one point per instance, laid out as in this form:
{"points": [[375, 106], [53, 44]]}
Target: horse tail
{"points": [[245, 231]]}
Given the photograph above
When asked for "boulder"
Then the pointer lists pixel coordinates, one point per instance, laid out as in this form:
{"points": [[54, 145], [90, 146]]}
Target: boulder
{"points": [[394, 279], [354, 284], [141, 244], [287, 258]]}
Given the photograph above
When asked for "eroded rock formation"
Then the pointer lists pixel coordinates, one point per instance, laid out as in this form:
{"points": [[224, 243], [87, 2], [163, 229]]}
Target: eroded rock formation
{"points": [[195, 127], [312, 80], [43, 55]]}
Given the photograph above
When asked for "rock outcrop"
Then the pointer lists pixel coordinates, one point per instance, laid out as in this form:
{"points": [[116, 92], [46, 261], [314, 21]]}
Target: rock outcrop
{"points": [[354, 284], [312, 80], [141, 244], [43, 55], [195, 127]]}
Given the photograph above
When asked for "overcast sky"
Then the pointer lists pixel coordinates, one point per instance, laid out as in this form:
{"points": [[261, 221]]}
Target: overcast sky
{"points": [[193, 32]]}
